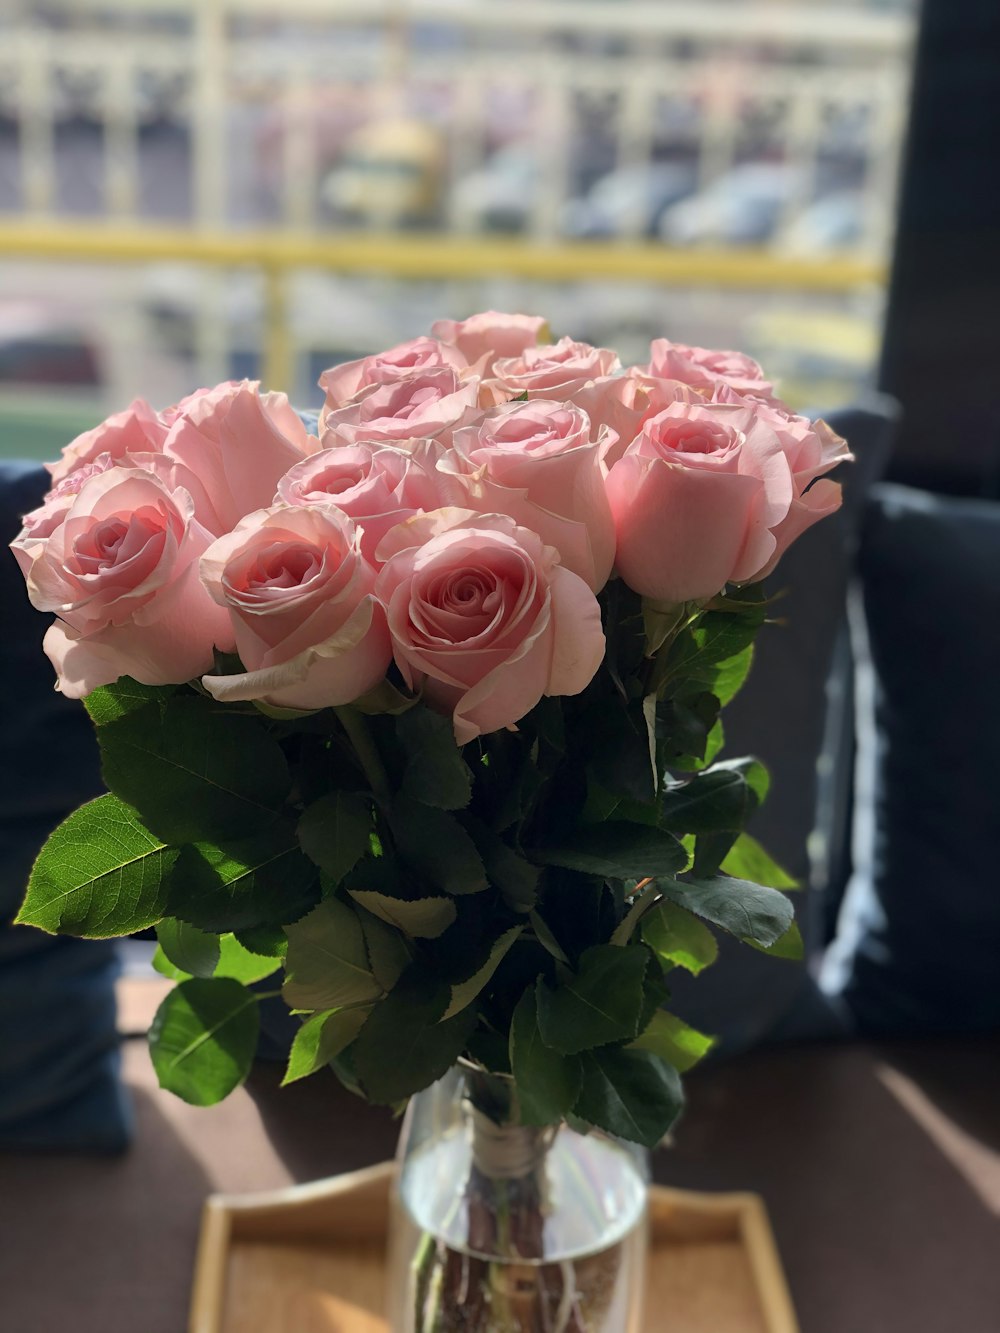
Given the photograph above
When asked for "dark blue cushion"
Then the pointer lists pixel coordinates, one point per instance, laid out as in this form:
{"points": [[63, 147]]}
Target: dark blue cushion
{"points": [[59, 1084], [779, 716], [918, 943]]}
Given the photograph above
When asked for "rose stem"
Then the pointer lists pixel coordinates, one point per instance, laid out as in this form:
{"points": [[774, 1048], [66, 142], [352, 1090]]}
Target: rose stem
{"points": [[368, 756]]}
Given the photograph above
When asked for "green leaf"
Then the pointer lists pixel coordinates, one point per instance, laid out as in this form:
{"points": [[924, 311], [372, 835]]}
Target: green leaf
{"points": [[710, 850], [388, 954], [546, 938], [100, 873], [678, 938], [617, 850], [747, 859], [698, 654], [601, 1003], [404, 1046], [602, 806], [195, 771], [334, 832], [655, 992], [266, 941], [436, 772], [163, 965], [243, 964], [629, 1093], [203, 1039], [517, 796], [718, 798], [321, 1038], [748, 911], [673, 1040], [549, 725], [619, 741], [264, 880], [190, 950], [548, 1083], [715, 741], [713, 800], [420, 918], [683, 727], [110, 702], [731, 673], [436, 846], [757, 776], [327, 963], [464, 992], [516, 878], [790, 945]]}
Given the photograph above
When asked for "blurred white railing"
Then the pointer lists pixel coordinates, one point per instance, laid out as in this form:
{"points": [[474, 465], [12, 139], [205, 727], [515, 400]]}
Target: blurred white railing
{"points": [[261, 109], [227, 69]]}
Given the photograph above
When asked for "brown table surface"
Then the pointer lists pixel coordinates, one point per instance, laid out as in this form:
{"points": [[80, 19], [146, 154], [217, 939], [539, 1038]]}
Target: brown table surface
{"points": [[880, 1167]]}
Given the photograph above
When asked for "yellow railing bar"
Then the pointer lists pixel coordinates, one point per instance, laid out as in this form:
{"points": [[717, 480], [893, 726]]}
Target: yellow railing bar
{"points": [[417, 255], [414, 255]]}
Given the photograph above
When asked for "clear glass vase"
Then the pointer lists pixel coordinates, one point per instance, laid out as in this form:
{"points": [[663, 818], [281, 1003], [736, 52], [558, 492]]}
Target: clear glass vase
{"points": [[499, 1227]]}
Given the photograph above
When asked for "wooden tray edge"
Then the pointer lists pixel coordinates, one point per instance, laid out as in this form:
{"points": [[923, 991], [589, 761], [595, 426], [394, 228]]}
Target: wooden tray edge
{"points": [[221, 1210], [765, 1262], [294, 1196], [208, 1288]]}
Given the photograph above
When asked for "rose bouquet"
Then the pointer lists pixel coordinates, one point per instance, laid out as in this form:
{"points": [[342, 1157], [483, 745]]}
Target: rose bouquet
{"points": [[417, 701]]}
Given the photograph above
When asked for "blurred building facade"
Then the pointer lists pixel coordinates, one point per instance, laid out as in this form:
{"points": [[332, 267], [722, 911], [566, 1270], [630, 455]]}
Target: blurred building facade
{"points": [[722, 173]]}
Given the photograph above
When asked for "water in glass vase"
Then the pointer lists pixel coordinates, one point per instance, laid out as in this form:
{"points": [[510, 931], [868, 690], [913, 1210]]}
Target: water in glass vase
{"points": [[559, 1248]]}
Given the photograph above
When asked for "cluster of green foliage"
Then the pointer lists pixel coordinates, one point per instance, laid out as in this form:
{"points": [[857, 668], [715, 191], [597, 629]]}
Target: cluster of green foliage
{"points": [[520, 901]]}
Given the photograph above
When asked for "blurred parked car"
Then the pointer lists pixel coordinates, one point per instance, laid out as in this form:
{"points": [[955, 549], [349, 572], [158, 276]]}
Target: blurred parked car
{"points": [[743, 207], [52, 374], [499, 196], [835, 222], [391, 174], [629, 201], [38, 347]]}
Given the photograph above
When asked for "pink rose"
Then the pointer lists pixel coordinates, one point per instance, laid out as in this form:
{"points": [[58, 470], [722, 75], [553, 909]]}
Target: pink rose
{"points": [[376, 485], [239, 442], [120, 570], [299, 593], [136, 430], [483, 618], [554, 370], [704, 368], [536, 462], [49, 515], [811, 449], [44, 520], [425, 404], [625, 402], [342, 383], [700, 498], [489, 335]]}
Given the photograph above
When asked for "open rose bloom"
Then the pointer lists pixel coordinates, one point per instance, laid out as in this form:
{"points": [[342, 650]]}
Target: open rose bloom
{"points": [[221, 525]]}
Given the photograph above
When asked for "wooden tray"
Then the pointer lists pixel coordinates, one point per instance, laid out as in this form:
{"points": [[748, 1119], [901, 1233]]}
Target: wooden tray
{"points": [[310, 1259]]}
